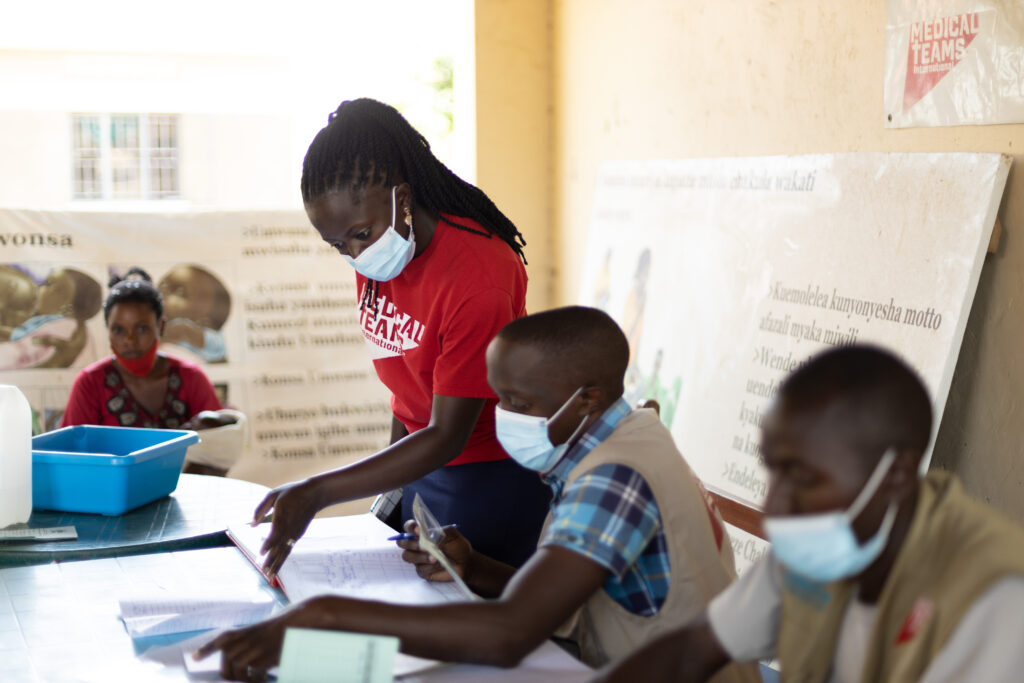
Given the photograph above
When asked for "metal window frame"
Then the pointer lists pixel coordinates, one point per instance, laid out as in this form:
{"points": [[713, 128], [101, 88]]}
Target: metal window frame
{"points": [[146, 192]]}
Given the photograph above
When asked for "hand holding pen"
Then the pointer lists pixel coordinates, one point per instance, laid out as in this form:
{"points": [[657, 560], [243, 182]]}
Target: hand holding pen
{"points": [[454, 545], [407, 536]]}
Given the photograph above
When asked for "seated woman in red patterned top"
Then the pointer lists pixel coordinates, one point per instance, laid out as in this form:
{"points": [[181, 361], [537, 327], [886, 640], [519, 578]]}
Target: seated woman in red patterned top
{"points": [[139, 386]]}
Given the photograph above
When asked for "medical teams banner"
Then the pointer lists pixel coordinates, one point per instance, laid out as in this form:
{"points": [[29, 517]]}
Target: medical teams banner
{"points": [[257, 299], [954, 62]]}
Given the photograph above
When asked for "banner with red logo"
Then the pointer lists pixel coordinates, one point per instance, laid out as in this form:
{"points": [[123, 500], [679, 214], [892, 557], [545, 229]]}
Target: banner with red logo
{"points": [[954, 62]]}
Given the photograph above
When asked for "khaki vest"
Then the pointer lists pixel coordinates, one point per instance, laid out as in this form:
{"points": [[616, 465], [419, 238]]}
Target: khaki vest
{"points": [[956, 549], [700, 555]]}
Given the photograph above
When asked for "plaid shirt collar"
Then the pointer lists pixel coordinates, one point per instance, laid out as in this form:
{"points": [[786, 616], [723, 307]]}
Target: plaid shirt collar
{"points": [[597, 433]]}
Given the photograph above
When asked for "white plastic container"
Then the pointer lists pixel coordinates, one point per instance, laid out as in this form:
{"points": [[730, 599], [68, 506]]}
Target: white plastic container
{"points": [[15, 457]]}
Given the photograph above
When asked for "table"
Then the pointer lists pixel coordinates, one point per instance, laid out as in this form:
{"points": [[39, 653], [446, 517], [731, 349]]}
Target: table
{"points": [[59, 623], [194, 515]]}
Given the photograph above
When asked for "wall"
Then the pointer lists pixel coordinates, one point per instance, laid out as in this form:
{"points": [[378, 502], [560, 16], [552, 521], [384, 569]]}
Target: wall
{"points": [[514, 127], [40, 141], [236, 140], [639, 79], [229, 161], [236, 161]]}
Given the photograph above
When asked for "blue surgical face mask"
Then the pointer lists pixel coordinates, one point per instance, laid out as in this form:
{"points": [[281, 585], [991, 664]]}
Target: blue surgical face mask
{"points": [[384, 259], [525, 437], [823, 547]]}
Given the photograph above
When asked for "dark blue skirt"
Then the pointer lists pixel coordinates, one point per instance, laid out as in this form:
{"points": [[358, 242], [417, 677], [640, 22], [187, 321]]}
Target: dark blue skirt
{"points": [[499, 506]]}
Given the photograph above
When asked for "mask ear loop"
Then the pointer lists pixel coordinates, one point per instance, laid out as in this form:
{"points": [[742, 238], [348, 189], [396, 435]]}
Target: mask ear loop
{"points": [[568, 402], [565, 405], [890, 518], [394, 203], [372, 286], [579, 431], [870, 488]]}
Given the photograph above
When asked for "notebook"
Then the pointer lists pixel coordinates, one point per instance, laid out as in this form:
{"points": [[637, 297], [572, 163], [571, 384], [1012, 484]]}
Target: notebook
{"points": [[347, 556]]}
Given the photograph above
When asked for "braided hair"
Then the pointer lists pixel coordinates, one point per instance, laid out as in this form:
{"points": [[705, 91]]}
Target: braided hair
{"points": [[366, 142], [135, 286]]}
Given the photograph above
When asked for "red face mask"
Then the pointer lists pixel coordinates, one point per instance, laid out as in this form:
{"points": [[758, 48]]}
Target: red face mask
{"points": [[141, 366]]}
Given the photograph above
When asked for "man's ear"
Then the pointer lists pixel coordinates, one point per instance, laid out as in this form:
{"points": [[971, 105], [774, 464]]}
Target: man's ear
{"points": [[903, 474], [591, 400], [161, 326]]}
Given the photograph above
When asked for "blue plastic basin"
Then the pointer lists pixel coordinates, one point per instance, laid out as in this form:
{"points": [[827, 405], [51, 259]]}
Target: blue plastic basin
{"points": [[106, 470]]}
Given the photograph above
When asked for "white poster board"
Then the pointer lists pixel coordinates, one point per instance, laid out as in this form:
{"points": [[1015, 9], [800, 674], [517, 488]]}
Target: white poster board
{"points": [[954, 62], [726, 274], [279, 310]]}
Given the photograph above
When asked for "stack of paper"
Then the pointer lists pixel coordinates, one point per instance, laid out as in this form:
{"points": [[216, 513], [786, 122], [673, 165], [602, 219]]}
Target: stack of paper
{"points": [[156, 615]]}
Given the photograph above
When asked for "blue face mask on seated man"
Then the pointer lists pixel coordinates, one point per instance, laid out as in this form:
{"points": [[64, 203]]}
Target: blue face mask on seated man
{"points": [[823, 547], [525, 437], [384, 259]]}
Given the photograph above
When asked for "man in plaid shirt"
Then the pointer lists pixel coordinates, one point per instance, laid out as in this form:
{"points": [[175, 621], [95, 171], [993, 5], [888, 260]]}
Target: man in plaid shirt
{"points": [[631, 549]]}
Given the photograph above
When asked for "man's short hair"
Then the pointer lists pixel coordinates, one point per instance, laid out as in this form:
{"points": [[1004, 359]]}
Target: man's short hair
{"points": [[871, 396], [584, 345]]}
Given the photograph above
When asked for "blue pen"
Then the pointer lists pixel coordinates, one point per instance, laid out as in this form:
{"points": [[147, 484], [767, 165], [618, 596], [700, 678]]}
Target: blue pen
{"points": [[403, 537]]}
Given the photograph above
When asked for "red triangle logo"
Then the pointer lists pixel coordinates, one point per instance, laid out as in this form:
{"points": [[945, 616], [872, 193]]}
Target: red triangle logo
{"points": [[918, 616], [936, 46]]}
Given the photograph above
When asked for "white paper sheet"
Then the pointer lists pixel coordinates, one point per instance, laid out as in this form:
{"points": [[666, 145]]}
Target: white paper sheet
{"points": [[155, 615], [50, 533]]}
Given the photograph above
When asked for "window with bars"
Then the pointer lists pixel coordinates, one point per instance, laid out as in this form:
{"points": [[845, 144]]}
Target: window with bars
{"points": [[125, 156]]}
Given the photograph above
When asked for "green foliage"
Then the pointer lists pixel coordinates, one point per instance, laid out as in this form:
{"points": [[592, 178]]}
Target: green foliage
{"points": [[442, 84]]}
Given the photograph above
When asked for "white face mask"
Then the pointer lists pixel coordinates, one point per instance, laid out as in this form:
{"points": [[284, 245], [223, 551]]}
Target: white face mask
{"points": [[823, 547], [525, 437], [384, 259]]}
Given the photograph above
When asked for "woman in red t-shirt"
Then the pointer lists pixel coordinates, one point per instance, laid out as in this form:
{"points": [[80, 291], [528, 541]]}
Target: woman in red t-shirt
{"points": [[439, 271], [138, 386]]}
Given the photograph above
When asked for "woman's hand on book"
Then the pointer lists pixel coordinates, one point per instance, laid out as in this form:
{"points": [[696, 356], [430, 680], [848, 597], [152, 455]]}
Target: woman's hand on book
{"points": [[293, 506]]}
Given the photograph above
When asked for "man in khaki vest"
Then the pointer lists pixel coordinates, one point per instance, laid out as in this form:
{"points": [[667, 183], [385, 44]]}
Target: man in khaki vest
{"points": [[875, 574], [630, 550]]}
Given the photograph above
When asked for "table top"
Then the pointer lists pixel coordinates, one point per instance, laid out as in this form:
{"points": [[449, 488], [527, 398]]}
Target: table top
{"points": [[60, 622], [194, 515]]}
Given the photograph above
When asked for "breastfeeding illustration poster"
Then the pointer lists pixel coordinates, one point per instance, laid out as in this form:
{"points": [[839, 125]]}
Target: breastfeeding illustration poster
{"points": [[727, 274], [257, 299]]}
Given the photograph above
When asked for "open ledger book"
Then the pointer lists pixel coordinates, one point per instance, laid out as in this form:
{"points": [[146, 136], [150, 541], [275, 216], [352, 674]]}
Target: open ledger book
{"points": [[351, 556], [348, 556]]}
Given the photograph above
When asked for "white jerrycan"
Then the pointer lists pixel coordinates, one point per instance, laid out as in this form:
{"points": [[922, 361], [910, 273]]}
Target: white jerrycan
{"points": [[15, 457]]}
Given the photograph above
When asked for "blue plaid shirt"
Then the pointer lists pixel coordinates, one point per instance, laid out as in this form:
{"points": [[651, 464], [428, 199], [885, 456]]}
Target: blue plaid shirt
{"points": [[610, 516]]}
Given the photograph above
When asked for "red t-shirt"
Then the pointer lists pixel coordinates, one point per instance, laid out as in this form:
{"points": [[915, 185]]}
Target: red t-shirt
{"points": [[434, 322], [99, 397]]}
